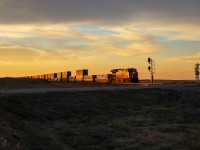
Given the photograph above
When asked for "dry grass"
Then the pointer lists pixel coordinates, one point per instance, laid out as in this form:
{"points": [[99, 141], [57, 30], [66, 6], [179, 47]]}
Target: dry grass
{"points": [[14, 83], [131, 119]]}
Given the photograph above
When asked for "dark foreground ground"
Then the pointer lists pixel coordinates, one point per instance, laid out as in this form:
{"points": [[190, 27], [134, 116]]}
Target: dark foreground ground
{"points": [[147, 119]]}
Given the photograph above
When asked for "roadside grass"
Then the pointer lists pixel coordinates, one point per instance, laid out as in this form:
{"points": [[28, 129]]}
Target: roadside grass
{"points": [[119, 120], [15, 83]]}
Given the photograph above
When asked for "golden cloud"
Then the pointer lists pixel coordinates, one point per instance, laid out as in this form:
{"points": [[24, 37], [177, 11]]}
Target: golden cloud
{"points": [[186, 32], [31, 43], [193, 58], [146, 47], [129, 34]]}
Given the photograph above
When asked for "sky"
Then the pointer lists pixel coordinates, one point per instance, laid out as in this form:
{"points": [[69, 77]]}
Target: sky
{"points": [[46, 36]]}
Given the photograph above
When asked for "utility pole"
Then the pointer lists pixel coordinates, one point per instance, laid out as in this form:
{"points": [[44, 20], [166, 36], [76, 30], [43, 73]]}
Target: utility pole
{"points": [[151, 69], [196, 70]]}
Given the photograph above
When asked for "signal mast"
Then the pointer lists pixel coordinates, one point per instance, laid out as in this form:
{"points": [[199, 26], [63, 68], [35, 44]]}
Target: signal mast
{"points": [[196, 70], [151, 69]]}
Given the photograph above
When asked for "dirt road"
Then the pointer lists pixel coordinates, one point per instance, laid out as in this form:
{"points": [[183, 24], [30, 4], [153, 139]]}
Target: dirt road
{"points": [[81, 89]]}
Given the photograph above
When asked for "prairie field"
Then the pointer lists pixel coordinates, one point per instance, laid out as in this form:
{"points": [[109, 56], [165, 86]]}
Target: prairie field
{"points": [[14, 83], [143, 119]]}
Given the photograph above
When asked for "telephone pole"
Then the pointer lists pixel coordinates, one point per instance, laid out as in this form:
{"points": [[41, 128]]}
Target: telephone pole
{"points": [[196, 70], [151, 69]]}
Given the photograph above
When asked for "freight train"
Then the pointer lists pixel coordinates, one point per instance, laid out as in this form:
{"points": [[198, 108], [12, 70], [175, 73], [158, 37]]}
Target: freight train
{"points": [[118, 75]]}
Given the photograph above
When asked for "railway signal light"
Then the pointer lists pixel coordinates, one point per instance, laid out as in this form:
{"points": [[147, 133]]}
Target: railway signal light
{"points": [[149, 68], [149, 60]]}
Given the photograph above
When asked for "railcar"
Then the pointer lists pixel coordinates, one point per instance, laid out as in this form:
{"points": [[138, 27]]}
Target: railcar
{"points": [[103, 77], [65, 76], [89, 78]]}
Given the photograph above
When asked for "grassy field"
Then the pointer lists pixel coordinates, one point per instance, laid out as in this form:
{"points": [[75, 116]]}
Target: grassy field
{"points": [[151, 119], [14, 83]]}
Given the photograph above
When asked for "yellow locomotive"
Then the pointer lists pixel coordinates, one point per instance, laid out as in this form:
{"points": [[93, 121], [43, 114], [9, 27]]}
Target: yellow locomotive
{"points": [[124, 75]]}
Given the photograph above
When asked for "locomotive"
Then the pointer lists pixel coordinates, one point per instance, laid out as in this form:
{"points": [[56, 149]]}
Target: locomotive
{"points": [[118, 75], [124, 75]]}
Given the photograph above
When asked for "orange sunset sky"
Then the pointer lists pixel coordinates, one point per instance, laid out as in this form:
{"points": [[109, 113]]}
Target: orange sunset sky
{"points": [[45, 36]]}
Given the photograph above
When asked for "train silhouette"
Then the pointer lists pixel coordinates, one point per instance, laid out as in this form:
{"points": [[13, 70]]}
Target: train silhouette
{"points": [[117, 75]]}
